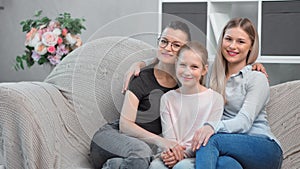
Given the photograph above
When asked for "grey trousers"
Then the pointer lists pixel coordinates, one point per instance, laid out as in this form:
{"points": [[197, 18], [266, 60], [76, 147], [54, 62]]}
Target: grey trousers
{"points": [[109, 143]]}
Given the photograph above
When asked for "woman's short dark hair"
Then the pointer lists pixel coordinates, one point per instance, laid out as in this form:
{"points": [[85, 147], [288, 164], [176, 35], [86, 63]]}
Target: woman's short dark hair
{"points": [[178, 25]]}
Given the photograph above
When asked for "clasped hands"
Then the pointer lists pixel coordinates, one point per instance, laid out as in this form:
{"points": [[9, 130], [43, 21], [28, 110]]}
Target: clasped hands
{"points": [[176, 153]]}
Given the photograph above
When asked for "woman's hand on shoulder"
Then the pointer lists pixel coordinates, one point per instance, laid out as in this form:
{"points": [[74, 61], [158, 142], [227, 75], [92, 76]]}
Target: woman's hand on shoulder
{"points": [[134, 69], [202, 136], [260, 67]]}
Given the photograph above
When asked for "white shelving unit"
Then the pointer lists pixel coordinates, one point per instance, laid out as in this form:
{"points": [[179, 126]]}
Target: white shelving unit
{"points": [[220, 11]]}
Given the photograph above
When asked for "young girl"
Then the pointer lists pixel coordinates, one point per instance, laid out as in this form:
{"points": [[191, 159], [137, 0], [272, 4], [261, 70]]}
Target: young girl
{"points": [[244, 132], [186, 109]]}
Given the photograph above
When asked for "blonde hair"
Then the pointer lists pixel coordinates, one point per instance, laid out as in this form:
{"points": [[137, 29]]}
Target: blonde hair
{"points": [[218, 76], [199, 50]]}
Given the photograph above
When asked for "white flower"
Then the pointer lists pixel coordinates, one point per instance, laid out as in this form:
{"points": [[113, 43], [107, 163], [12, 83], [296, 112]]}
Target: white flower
{"points": [[57, 31], [72, 40], [40, 48], [49, 39], [33, 41]]}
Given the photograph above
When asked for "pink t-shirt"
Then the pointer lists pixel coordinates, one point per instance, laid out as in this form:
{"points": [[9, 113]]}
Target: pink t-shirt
{"points": [[182, 114]]}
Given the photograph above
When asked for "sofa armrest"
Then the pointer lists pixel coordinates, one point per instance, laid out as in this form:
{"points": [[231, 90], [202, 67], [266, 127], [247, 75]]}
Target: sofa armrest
{"points": [[284, 117], [35, 128]]}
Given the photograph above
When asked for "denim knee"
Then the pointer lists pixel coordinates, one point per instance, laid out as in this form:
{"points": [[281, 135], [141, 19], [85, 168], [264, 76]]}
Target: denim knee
{"points": [[157, 164], [227, 162], [135, 163], [187, 163]]}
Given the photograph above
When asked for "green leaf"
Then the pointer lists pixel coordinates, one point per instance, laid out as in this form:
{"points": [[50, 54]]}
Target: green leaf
{"points": [[29, 48], [18, 59], [42, 60], [16, 67], [24, 57], [38, 13], [27, 25], [45, 21], [22, 22], [29, 62], [21, 65]]}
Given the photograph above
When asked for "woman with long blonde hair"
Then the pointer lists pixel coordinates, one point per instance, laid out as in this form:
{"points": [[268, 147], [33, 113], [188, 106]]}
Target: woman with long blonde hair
{"points": [[243, 133]]}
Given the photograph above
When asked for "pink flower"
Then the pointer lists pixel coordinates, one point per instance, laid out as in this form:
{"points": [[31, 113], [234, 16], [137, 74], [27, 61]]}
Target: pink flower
{"points": [[64, 32], [51, 49], [49, 39], [59, 41], [31, 33], [32, 38], [52, 25]]}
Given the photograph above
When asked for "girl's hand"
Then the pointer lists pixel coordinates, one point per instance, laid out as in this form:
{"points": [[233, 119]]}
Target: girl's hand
{"points": [[134, 69], [178, 152], [173, 148], [168, 158], [202, 136]]}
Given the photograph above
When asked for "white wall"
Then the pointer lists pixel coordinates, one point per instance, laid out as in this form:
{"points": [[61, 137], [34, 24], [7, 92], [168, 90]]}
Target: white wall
{"points": [[103, 18]]}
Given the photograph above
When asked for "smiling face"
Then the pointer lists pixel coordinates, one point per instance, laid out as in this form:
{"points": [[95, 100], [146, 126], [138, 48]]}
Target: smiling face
{"points": [[190, 69], [174, 37], [236, 45]]}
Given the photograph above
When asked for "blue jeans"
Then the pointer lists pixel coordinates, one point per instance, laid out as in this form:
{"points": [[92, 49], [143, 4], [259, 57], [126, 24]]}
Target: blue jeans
{"points": [[250, 151], [187, 163], [115, 149], [224, 162]]}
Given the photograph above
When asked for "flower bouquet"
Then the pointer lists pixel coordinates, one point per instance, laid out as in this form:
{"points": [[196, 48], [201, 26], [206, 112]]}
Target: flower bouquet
{"points": [[49, 41]]}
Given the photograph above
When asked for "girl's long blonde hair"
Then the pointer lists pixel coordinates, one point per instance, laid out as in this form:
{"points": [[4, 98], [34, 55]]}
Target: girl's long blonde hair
{"points": [[218, 77]]}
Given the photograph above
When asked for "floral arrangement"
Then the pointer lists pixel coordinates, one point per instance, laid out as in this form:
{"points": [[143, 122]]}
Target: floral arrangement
{"points": [[49, 41]]}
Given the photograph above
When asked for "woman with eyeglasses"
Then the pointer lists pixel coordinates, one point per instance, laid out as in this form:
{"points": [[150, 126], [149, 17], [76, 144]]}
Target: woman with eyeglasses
{"points": [[127, 142]]}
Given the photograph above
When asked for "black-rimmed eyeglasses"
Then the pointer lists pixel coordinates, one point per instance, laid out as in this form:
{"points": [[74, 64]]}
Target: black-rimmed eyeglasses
{"points": [[175, 46]]}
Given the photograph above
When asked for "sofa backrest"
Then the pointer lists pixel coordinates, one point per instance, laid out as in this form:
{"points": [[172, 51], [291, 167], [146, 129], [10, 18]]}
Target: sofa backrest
{"points": [[91, 78]]}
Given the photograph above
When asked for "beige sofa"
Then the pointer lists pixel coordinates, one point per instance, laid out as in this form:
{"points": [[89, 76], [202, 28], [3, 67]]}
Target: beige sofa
{"points": [[50, 124]]}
